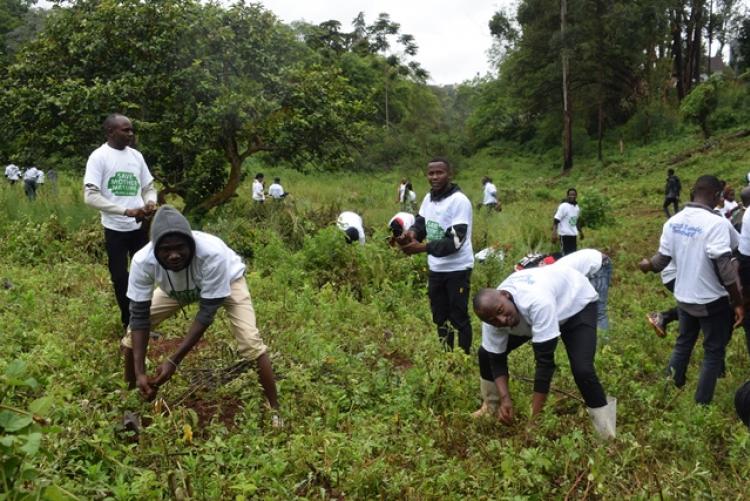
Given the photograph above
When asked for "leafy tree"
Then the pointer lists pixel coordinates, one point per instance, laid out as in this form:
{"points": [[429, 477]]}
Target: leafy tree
{"points": [[208, 87], [701, 103]]}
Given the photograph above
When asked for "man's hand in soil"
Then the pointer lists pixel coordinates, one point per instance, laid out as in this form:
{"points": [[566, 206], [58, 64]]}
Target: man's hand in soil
{"points": [[144, 386], [164, 373]]}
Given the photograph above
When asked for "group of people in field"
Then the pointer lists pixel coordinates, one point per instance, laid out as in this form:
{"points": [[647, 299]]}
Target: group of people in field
{"points": [[275, 192], [554, 298], [33, 178]]}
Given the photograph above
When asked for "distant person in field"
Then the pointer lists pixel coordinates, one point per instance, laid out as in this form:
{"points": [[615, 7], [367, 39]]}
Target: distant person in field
{"points": [[12, 173], [52, 176], [351, 224], [176, 268], [445, 222], [699, 242], [672, 190], [543, 305], [258, 194], [566, 225], [489, 193], [727, 204], [401, 191], [118, 183], [399, 224], [30, 180], [410, 199], [276, 191]]}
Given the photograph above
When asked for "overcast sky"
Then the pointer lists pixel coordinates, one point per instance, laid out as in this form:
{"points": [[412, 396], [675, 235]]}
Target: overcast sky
{"points": [[453, 36]]}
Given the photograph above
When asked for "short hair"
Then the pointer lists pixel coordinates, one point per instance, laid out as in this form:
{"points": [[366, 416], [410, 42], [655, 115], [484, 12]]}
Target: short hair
{"points": [[745, 196], [486, 179], [110, 121], [351, 234], [441, 160], [670, 172], [482, 297], [571, 189], [259, 175], [408, 187], [277, 180], [707, 185]]}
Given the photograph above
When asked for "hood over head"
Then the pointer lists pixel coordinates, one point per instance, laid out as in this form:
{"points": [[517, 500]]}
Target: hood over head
{"points": [[169, 221]]}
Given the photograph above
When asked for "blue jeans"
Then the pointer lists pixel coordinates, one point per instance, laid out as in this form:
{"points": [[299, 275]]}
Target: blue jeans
{"points": [[600, 281], [717, 330]]}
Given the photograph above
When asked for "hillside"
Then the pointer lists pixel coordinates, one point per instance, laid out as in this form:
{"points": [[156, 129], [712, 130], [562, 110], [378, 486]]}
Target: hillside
{"points": [[372, 406]]}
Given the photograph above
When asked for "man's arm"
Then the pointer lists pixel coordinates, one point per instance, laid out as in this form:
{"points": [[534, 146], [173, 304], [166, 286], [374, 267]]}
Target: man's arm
{"points": [[203, 320], [93, 197], [149, 195], [656, 263], [499, 367], [728, 276], [140, 326], [544, 355], [454, 239]]}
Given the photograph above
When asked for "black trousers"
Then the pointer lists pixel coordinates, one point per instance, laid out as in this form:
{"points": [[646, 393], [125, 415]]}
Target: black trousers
{"points": [[449, 301], [568, 244], [667, 202], [121, 245]]}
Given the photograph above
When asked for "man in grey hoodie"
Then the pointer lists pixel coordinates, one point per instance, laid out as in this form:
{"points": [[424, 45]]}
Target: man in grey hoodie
{"points": [[177, 267]]}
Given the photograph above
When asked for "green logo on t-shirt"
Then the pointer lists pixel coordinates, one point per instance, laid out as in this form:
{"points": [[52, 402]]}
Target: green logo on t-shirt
{"points": [[124, 184], [434, 231], [187, 296], [573, 220]]}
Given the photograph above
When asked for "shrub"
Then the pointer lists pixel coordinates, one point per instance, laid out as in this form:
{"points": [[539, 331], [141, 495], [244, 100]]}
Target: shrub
{"points": [[596, 210]]}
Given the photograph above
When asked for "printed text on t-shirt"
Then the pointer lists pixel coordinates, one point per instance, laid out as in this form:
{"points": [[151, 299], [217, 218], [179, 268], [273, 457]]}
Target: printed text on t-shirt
{"points": [[123, 184]]}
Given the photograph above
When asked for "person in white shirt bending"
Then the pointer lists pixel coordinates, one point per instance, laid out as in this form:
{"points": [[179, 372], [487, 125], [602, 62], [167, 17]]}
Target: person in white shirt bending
{"points": [[699, 242], [30, 178], [276, 191], [13, 173], [566, 225], [542, 305], [118, 183], [258, 195], [351, 224]]}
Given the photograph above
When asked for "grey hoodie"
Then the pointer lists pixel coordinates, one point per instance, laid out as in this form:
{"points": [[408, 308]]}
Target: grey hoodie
{"points": [[169, 221]]}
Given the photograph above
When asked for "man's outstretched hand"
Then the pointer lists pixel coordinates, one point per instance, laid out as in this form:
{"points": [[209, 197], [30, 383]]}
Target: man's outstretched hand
{"points": [[164, 373], [148, 392]]}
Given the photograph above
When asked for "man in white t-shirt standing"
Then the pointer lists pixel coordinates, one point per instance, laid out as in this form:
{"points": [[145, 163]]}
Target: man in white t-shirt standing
{"points": [[118, 183], [445, 221], [178, 267], [489, 191], [566, 225], [699, 242], [542, 305]]}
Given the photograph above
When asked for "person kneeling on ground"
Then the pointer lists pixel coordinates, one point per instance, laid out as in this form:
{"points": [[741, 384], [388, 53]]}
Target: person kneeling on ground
{"points": [[542, 305], [180, 266]]}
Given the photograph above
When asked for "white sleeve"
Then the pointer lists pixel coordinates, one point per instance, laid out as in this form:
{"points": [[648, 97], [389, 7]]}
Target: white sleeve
{"points": [[560, 213], [149, 193], [665, 242], [93, 173], [140, 283], [718, 241], [544, 324], [462, 212], [94, 198], [494, 339]]}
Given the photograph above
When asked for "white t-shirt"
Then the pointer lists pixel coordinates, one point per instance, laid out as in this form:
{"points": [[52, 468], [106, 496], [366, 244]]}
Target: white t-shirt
{"points": [[406, 219], [585, 261], [401, 191], [258, 191], [438, 217], [692, 238], [40, 177], [545, 298], [567, 214], [490, 194], [727, 208], [120, 176], [411, 197], [12, 172], [276, 190], [350, 219], [744, 246], [213, 268], [31, 174]]}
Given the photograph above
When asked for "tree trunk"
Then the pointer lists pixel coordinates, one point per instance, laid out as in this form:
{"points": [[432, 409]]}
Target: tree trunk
{"points": [[230, 188], [710, 35], [600, 131], [567, 117], [677, 52]]}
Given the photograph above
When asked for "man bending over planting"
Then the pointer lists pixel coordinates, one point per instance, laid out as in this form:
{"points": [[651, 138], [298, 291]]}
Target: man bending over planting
{"points": [[445, 219], [543, 305], [177, 267]]}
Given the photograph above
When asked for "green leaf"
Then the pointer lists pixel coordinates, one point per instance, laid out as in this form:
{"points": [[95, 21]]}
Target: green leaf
{"points": [[33, 441], [42, 406], [12, 421], [55, 493], [15, 369]]}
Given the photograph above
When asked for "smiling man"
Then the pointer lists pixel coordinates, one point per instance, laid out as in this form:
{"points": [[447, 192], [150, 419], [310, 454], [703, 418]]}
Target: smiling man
{"points": [[445, 220], [543, 305], [178, 267]]}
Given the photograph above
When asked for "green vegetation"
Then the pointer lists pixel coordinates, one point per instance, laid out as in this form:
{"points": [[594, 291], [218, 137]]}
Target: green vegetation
{"points": [[372, 406]]}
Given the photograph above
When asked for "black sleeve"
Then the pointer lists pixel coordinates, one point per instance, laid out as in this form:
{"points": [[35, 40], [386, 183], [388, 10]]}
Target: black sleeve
{"points": [[454, 239], [659, 261], [419, 229], [140, 312], [544, 355], [498, 364], [207, 309]]}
